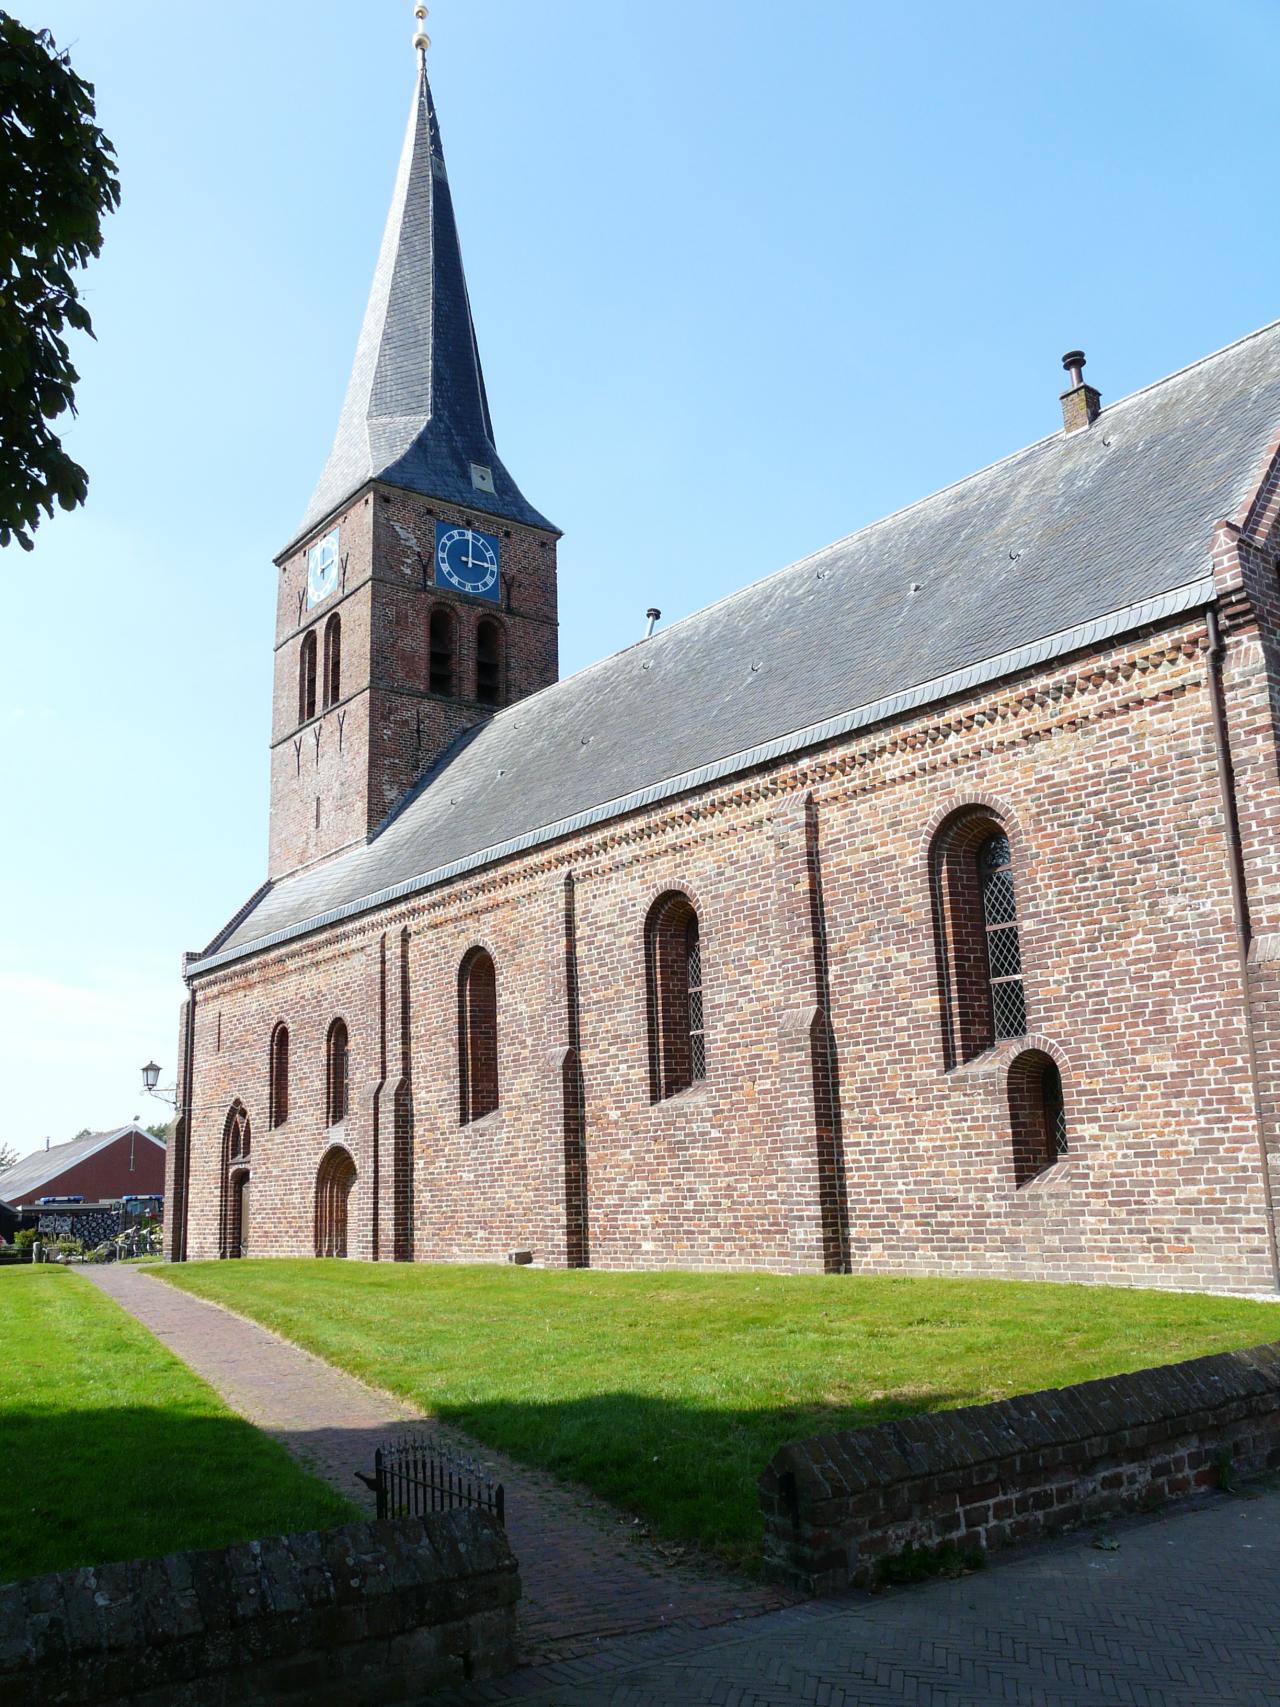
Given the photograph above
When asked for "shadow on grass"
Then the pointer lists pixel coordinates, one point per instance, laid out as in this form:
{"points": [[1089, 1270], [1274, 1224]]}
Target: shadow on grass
{"points": [[92, 1486], [689, 1471]]}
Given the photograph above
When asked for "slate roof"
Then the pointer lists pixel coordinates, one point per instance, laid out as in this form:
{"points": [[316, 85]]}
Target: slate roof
{"points": [[1073, 540], [416, 414], [26, 1176]]}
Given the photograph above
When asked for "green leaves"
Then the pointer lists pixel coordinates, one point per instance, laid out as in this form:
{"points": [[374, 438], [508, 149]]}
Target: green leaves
{"points": [[58, 180]]}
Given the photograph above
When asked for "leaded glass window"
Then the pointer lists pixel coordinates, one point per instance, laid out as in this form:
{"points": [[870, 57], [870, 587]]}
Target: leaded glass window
{"points": [[697, 1030], [1004, 952]]}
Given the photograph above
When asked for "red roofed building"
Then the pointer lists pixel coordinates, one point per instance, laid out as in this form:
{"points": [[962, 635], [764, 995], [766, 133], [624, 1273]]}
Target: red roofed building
{"points": [[127, 1162]]}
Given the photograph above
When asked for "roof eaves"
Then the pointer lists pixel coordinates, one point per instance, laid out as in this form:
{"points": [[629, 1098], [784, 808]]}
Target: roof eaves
{"points": [[1177, 600]]}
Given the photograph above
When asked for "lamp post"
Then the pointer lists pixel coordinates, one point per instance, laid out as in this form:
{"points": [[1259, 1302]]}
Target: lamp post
{"points": [[151, 1085]]}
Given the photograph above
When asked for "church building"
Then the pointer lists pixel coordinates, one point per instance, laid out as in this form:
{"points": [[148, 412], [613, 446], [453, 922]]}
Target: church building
{"points": [[914, 910]]}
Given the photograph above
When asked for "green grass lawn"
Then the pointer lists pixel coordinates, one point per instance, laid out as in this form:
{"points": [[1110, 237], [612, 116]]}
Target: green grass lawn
{"points": [[110, 1448], [668, 1393]]}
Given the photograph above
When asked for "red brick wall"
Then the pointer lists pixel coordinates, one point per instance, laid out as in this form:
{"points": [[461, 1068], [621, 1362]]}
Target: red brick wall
{"points": [[839, 1509], [336, 777], [829, 1132], [108, 1174]]}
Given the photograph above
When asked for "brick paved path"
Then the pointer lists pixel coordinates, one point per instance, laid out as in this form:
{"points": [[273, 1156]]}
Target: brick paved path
{"points": [[585, 1572], [1186, 1613]]}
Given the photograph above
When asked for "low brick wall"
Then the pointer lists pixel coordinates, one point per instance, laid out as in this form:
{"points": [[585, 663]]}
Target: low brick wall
{"points": [[369, 1613], [838, 1508]]}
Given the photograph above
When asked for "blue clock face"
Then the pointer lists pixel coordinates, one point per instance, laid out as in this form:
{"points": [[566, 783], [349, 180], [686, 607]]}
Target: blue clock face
{"points": [[467, 561]]}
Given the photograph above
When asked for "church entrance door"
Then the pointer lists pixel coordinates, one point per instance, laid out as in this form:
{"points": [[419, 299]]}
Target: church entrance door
{"points": [[333, 1193]]}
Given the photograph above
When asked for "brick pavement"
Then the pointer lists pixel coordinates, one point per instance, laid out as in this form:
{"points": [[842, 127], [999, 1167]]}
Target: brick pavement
{"points": [[588, 1573], [1184, 1613]]}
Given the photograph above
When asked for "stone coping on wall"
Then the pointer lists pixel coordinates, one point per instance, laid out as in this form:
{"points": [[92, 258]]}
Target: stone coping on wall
{"points": [[840, 1508], [366, 1613]]}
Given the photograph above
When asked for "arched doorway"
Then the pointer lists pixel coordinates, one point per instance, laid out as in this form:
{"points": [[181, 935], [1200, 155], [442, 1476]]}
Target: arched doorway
{"points": [[236, 1141], [333, 1190], [238, 1215]]}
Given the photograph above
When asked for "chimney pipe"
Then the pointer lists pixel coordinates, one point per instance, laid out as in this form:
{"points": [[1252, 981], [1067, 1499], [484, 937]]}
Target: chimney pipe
{"points": [[655, 617], [1082, 404]]}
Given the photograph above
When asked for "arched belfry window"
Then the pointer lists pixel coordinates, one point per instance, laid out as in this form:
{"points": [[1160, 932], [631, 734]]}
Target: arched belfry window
{"points": [[677, 1019], [443, 645], [337, 1071], [490, 662], [278, 1087], [979, 949], [332, 661], [307, 678], [478, 1035], [1037, 1115]]}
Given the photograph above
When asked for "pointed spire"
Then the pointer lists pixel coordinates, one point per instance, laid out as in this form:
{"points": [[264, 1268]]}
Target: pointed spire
{"points": [[416, 414]]}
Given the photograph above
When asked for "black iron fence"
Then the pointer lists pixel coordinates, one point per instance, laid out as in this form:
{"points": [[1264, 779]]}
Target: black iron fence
{"points": [[417, 1475]]}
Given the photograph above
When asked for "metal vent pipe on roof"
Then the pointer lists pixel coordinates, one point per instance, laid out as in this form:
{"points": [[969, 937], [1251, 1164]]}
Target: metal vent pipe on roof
{"points": [[655, 617]]}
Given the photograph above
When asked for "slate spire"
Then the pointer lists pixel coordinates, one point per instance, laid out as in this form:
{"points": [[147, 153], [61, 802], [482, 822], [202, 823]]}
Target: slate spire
{"points": [[416, 414]]}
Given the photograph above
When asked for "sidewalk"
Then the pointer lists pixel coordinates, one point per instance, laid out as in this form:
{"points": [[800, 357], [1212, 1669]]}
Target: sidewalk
{"points": [[586, 1575]]}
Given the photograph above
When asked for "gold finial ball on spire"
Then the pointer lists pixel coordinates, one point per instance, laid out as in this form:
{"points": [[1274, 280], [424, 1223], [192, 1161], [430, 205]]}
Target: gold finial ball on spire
{"points": [[421, 40]]}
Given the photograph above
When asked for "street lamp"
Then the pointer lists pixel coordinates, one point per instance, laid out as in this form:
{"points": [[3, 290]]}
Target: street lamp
{"points": [[150, 1082]]}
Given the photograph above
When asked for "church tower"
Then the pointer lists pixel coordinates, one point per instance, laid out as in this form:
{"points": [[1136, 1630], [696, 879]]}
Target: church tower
{"points": [[419, 595]]}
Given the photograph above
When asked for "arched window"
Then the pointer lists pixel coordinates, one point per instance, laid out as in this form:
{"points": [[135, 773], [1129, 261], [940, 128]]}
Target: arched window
{"points": [[278, 1087], [489, 662], [236, 1134], [478, 1035], [333, 1194], [337, 1067], [1037, 1115], [443, 648], [677, 1023], [307, 678], [332, 661], [979, 951]]}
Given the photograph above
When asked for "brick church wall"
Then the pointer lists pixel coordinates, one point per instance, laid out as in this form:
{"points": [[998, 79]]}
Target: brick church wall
{"points": [[829, 1132]]}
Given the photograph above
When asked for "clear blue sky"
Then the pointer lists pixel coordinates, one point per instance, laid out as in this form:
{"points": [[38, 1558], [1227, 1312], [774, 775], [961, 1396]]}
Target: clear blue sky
{"points": [[746, 276]]}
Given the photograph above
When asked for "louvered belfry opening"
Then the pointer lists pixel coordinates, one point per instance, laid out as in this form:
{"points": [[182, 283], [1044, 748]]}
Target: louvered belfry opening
{"points": [[489, 662], [443, 651], [478, 1036], [677, 1020], [978, 947], [307, 678], [332, 661]]}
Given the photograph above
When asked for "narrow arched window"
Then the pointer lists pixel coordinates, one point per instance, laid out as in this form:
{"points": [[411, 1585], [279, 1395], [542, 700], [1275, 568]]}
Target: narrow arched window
{"points": [[489, 662], [278, 1088], [1037, 1115], [236, 1136], [332, 661], [443, 651], [478, 1035], [979, 951], [307, 678], [337, 1069], [677, 1021]]}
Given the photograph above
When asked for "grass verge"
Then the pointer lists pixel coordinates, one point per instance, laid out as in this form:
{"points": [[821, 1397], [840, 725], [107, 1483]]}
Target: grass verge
{"points": [[668, 1393], [110, 1448]]}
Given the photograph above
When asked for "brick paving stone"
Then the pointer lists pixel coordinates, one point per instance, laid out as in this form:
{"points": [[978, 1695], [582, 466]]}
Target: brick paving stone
{"points": [[1186, 1613], [586, 1574]]}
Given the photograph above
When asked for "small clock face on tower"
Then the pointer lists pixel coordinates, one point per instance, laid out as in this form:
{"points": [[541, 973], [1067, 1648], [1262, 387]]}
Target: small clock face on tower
{"points": [[468, 561], [323, 567]]}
